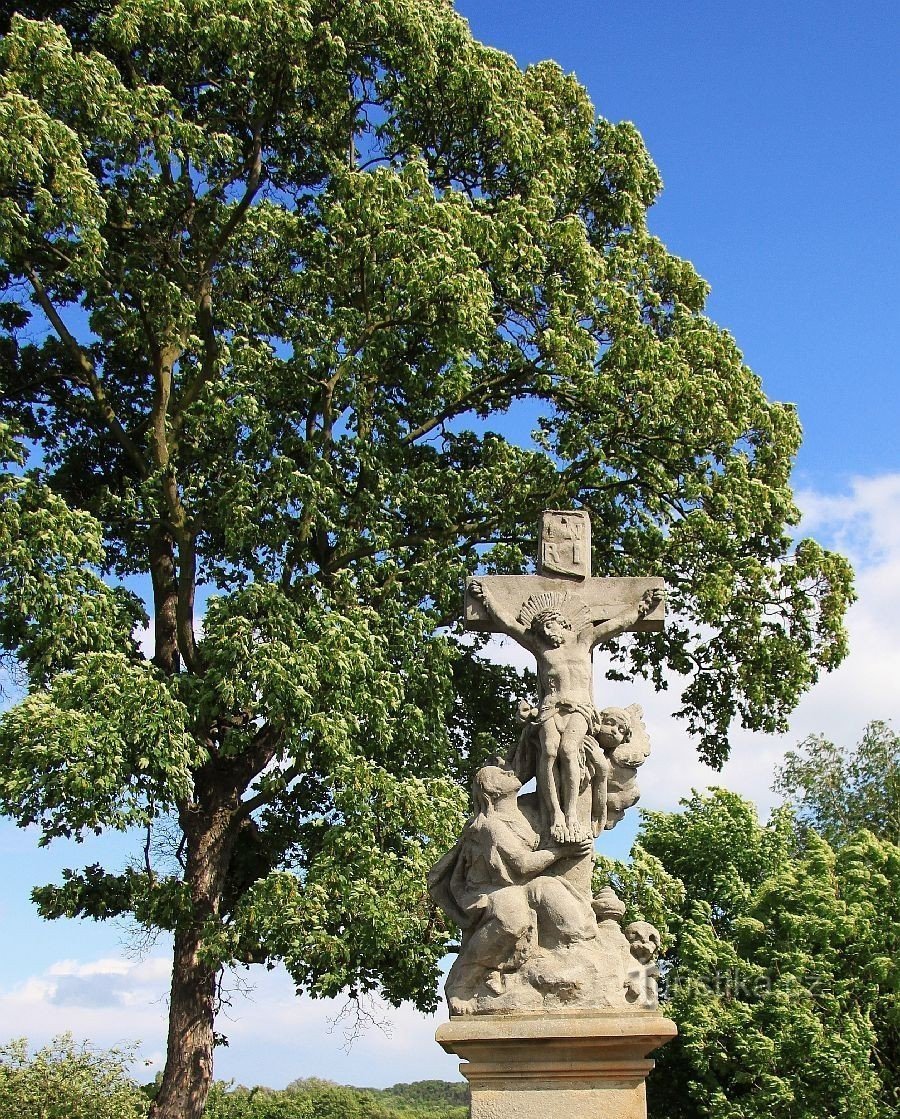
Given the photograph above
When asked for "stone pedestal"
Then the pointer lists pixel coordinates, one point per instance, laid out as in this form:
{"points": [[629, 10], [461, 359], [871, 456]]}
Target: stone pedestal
{"points": [[557, 1066]]}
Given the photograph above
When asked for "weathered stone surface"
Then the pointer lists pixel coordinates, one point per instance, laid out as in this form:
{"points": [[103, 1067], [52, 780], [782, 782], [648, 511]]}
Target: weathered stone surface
{"points": [[572, 738], [605, 595], [532, 937], [518, 881], [581, 1066], [553, 1004], [564, 543]]}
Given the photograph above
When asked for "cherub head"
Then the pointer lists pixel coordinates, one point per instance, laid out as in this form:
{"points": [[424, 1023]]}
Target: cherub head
{"points": [[614, 728], [643, 939]]}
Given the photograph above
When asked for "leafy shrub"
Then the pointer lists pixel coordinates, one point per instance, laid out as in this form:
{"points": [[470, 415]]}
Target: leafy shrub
{"points": [[67, 1081]]}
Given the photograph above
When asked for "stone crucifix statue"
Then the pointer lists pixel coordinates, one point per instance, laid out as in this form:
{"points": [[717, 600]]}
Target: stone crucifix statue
{"points": [[553, 994], [559, 616]]}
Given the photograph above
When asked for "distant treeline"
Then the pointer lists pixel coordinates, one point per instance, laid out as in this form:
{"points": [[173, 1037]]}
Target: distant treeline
{"points": [[313, 1098], [73, 1080]]}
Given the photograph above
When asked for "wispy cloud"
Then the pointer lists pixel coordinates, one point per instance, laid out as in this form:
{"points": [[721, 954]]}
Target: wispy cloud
{"points": [[274, 1035], [109, 1002]]}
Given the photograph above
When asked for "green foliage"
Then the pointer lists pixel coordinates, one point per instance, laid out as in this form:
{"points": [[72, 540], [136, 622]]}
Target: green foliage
{"points": [[782, 973], [312, 1098], [357, 917], [838, 792], [96, 748], [67, 1081], [326, 317], [438, 1097], [53, 603], [649, 891]]}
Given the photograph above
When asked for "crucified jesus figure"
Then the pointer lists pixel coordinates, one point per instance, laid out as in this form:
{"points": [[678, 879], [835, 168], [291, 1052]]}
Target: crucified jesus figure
{"points": [[562, 635]]}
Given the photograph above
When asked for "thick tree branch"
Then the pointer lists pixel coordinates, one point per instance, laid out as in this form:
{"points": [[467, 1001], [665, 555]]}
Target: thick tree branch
{"points": [[165, 597], [478, 395], [264, 796], [207, 371], [254, 182], [163, 373], [183, 586], [187, 583], [246, 766]]}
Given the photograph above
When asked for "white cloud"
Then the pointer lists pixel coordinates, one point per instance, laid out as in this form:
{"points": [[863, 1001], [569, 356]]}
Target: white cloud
{"points": [[275, 1036], [106, 966], [109, 1002], [862, 521], [293, 1036]]}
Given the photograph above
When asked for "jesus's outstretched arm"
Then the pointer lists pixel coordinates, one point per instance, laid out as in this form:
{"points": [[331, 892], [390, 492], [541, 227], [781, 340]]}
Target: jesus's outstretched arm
{"points": [[605, 629], [503, 621]]}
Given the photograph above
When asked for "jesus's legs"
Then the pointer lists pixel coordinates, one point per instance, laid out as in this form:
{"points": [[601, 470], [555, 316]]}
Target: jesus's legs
{"points": [[548, 794], [570, 775]]}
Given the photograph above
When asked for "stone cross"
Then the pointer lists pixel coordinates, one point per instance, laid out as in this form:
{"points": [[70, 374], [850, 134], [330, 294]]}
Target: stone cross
{"points": [[553, 1003], [559, 615], [564, 564]]}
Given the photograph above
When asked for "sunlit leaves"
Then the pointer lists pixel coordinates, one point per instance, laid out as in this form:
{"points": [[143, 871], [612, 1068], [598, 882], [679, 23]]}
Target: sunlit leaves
{"points": [[358, 915], [780, 971], [67, 1079], [838, 791], [53, 603], [108, 744], [352, 232]]}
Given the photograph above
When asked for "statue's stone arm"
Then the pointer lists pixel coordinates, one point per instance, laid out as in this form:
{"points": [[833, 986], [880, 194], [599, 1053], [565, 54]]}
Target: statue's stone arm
{"points": [[504, 622], [526, 863], [605, 629]]}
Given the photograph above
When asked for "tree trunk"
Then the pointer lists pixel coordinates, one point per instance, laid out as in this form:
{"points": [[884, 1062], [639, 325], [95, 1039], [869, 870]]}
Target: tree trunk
{"points": [[165, 601], [189, 1051], [208, 827]]}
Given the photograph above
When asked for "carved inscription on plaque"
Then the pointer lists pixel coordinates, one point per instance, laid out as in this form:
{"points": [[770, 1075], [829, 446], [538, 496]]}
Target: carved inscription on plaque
{"points": [[565, 544]]}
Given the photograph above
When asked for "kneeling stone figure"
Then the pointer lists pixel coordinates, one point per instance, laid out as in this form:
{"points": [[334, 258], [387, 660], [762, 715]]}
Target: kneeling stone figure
{"points": [[531, 937]]}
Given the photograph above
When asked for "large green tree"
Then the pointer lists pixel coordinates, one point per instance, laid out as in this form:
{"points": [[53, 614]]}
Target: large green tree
{"points": [[269, 268], [838, 792]]}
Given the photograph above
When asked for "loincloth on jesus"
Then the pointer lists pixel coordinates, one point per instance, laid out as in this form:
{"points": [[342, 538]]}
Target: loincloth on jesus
{"points": [[551, 707], [523, 757]]}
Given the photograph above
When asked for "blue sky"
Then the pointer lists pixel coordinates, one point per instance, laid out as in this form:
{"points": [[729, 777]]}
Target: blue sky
{"points": [[775, 127]]}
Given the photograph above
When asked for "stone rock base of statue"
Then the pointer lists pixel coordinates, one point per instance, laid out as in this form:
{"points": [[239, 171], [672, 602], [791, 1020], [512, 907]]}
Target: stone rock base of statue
{"points": [[599, 974], [569, 1064]]}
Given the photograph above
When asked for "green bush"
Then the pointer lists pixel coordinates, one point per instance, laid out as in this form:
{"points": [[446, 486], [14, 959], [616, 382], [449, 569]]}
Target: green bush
{"points": [[67, 1081], [314, 1098]]}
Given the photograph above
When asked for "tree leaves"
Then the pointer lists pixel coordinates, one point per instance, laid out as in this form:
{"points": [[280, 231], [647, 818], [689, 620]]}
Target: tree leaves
{"points": [[53, 603], [837, 792], [68, 1079], [274, 275], [780, 973], [108, 744], [358, 915]]}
